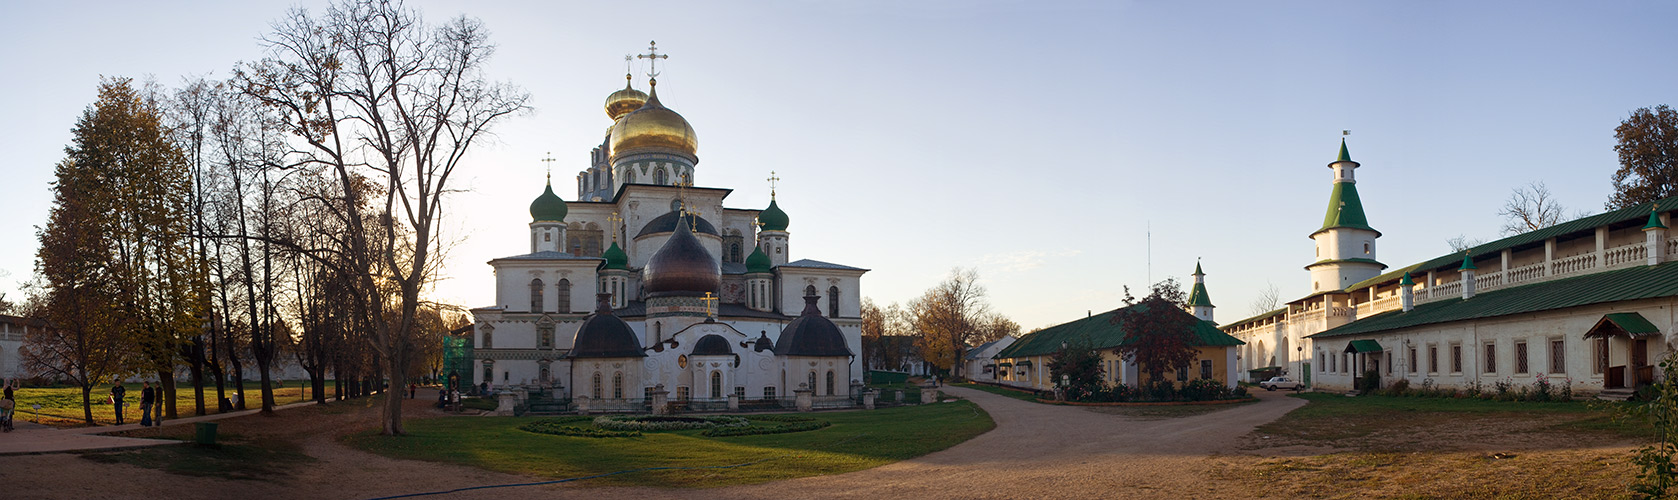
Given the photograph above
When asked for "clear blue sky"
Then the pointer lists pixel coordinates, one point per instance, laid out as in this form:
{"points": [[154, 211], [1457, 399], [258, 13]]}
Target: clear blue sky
{"points": [[1035, 140]]}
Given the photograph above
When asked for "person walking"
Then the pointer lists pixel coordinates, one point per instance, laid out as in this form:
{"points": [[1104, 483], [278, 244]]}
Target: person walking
{"points": [[413, 389], [147, 397], [117, 392]]}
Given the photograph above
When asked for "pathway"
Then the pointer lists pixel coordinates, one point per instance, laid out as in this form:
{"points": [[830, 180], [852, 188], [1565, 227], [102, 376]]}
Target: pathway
{"points": [[31, 438]]}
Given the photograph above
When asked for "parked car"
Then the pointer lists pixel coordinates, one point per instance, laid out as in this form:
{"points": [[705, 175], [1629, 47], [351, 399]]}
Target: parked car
{"points": [[1281, 383]]}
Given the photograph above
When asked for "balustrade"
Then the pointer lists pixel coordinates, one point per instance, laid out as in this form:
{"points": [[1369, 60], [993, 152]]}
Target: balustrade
{"points": [[1626, 255], [1574, 264]]}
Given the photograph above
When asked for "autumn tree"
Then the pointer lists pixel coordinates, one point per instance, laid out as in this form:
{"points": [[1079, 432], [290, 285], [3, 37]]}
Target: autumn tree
{"points": [[1648, 151], [951, 315], [368, 88], [1158, 333], [1076, 369], [883, 332]]}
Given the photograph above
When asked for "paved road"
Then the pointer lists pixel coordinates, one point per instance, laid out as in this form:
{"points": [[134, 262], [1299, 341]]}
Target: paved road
{"points": [[31, 438]]}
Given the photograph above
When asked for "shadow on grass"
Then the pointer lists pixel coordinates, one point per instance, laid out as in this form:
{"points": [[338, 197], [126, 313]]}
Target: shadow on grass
{"points": [[257, 461]]}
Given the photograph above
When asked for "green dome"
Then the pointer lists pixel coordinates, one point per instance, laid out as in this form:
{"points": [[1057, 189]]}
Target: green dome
{"points": [[548, 207], [615, 257], [758, 262], [772, 218]]}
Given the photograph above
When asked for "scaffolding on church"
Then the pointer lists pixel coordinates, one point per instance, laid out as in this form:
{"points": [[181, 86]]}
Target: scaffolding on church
{"points": [[457, 361]]}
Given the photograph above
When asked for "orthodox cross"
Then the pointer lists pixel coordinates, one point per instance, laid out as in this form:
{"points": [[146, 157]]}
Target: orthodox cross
{"points": [[756, 223], [682, 193], [549, 161], [652, 56], [614, 220], [772, 180], [709, 300]]}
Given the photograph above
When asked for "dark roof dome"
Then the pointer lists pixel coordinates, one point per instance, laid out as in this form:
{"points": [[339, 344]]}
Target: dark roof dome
{"points": [[759, 262], [615, 257], [681, 267], [604, 335], [667, 223], [772, 218], [712, 345], [548, 207], [811, 335]]}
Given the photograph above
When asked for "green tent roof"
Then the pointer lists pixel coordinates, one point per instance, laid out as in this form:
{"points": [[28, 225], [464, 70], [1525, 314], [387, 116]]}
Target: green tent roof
{"points": [[1363, 346], [1632, 323], [1100, 332], [1198, 295], [1345, 209], [1654, 221], [1641, 282], [1344, 154], [1467, 263]]}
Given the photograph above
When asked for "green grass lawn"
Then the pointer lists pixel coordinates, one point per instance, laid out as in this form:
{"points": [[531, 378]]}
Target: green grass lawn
{"points": [[62, 406], [1012, 393], [1331, 416], [857, 440]]}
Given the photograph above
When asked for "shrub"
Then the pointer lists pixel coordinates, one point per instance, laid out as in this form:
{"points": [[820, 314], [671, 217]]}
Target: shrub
{"points": [[1203, 390], [1370, 382], [1400, 387], [1161, 390], [667, 423], [557, 427], [778, 428], [1566, 392], [1238, 392], [1541, 390]]}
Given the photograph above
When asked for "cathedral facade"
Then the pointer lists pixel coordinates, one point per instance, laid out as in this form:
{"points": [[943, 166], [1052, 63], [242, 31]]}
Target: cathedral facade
{"points": [[647, 282]]}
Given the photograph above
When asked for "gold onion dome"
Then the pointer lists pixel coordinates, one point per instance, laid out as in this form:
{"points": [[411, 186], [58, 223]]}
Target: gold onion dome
{"points": [[654, 129], [624, 101]]}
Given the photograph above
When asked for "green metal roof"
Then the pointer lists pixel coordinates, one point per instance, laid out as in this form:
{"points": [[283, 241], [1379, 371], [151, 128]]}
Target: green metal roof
{"points": [[1467, 263], [1345, 209], [758, 262], [1260, 317], [1199, 297], [1100, 332], [772, 218], [1641, 282], [615, 257], [1344, 154], [1654, 221], [1406, 281], [1363, 346], [1632, 323], [1631, 213], [548, 207]]}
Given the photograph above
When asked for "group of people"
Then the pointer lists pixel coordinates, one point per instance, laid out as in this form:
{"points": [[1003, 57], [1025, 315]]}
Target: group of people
{"points": [[150, 401], [8, 406]]}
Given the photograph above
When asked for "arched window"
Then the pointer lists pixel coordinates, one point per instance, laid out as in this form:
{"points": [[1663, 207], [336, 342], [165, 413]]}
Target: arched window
{"points": [[489, 339], [810, 291], [658, 332], [545, 372], [658, 175], [833, 302], [812, 386], [597, 391], [1366, 248], [564, 295], [489, 372], [734, 252], [716, 385], [629, 176], [536, 295], [617, 385], [830, 382]]}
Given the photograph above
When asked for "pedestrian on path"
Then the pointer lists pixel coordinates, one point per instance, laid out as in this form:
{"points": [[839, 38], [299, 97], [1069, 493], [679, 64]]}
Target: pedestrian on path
{"points": [[147, 397], [117, 392], [413, 389]]}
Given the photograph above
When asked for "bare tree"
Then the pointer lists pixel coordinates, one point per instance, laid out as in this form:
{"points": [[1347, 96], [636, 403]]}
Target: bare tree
{"points": [[370, 90], [1529, 208], [1267, 300], [1461, 243]]}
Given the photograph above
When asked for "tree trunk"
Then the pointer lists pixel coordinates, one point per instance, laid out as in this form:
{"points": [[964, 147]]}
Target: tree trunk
{"points": [[166, 382], [196, 349], [87, 403]]}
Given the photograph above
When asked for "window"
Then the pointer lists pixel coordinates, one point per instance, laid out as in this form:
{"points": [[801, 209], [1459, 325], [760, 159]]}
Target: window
{"points": [[812, 385], [833, 302], [1558, 356], [1345, 362], [597, 392], [830, 391], [1206, 368], [1433, 359], [1183, 373], [536, 295], [1389, 356], [716, 385], [658, 332], [1491, 358], [545, 372], [734, 252], [628, 176], [658, 176], [1321, 366], [1599, 355], [489, 372], [545, 336], [563, 295], [769, 392], [489, 338], [1366, 248], [739, 392], [1456, 358], [1520, 357], [617, 385], [1414, 362], [810, 291], [683, 393]]}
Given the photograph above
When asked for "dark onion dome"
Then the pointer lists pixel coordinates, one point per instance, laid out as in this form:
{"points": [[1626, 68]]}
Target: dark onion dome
{"points": [[604, 335], [711, 345], [653, 129], [624, 101], [681, 267], [667, 223], [758, 262], [811, 334], [548, 207], [763, 343], [615, 257], [772, 218]]}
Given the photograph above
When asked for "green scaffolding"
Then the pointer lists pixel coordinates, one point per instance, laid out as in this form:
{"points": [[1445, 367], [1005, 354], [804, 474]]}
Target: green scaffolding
{"points": [[457, 360]]}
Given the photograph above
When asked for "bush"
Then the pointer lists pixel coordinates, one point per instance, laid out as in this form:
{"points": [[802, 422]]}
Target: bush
{"points": [[1161, 390], [667, 423], [1370, 382], [755, 430], [1400, 387], [557, 427], [1203, 390]]}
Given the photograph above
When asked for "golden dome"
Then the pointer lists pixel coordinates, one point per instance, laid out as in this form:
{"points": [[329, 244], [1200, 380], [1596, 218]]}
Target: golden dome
{"points": [[624, 101], [654, 128]]}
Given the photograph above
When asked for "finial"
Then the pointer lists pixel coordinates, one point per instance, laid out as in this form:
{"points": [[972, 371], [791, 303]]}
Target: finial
{"points": [[629, 70], [709, 301], [772, 181], [549, 161], [652, 56], [614, 219]]}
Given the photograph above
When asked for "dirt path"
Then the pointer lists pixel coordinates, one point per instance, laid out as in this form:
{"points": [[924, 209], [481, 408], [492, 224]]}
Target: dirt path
{"points": [[1036, 451]]}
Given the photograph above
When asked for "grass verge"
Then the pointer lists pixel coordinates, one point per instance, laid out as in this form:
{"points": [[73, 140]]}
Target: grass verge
{"points": [[1021, 395], [857, 440]]}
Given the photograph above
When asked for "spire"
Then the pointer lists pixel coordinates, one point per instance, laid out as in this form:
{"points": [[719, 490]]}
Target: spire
{"points": [[1198, 296], [1467, 262], [1654, 218], [1406, 281], [1197, 271], [1344, 154]]}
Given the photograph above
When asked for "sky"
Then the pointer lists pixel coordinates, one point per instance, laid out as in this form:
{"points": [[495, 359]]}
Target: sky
{"points": [[1065, 150]]}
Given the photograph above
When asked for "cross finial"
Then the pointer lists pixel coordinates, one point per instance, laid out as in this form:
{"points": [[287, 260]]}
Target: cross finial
{"points": [[682, 183], [652, 56], [709, 301], [1344, 133], [549, 161], [614, 219], [772, 181]]}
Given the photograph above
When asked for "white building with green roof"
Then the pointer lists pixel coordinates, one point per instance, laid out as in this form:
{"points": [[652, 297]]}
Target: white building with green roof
{"points": [[1587, 302]]}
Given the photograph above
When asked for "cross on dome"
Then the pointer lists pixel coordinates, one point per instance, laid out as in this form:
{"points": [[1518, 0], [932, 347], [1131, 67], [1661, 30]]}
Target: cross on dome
{"points": [[652, 56], [772, 181], [549, 162]]}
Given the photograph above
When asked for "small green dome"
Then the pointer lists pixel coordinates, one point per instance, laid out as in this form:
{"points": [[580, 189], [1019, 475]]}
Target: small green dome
{"points": [[615, 257], [772, 218], [758, 262], [548, 207]]}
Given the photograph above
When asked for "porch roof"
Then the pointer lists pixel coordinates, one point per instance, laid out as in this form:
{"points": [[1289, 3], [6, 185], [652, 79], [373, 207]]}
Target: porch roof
{"points": [[1630, 324], [1365, 345]]}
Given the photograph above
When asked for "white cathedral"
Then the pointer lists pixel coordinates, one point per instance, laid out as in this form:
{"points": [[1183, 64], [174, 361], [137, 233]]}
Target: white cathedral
{"points": [[649, 283]]}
